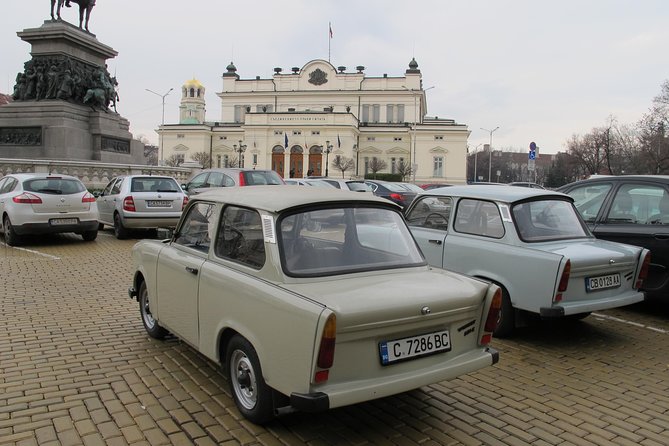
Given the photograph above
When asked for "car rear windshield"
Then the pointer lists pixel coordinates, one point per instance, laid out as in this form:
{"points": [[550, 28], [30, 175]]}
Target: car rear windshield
{"points": [[261, 177], [359, 186], [341, 240], [546, 220], [153, 184], [54, 185]]}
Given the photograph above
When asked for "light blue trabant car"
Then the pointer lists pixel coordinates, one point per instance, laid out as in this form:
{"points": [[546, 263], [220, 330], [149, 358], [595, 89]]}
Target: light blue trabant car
{"points": [[533, 244], [311, 298]]}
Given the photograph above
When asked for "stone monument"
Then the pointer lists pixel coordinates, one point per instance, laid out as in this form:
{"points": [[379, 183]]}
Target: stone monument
{"points": [[65, 101]]}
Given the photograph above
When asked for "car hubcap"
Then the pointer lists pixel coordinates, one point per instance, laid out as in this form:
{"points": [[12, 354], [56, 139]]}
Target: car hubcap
{"points": [[148, 317], [243, 379]]}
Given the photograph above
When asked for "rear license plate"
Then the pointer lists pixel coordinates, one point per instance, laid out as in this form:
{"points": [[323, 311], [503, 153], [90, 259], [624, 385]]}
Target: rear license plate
{"points": [[414, 347], [158, 203], [63, 221], [602, 282]]}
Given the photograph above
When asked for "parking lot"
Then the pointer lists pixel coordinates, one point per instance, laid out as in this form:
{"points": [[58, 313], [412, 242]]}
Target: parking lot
{"points": [[76, 367]]}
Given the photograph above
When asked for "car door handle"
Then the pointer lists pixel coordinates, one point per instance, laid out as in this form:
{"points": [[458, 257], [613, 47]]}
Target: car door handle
{"points": [[191, 270], [435, 242]]}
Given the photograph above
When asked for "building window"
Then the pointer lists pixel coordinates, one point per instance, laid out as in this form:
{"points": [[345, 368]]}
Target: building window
{"points": [[278, 132], [371, 138], [400, 112], [255, 159], [226, 161], [397, 138], [390, 113], [180, 158], [438, 166], [366, 165], [393, 165], [222, 137], [365, 113], [376, 113], [180, 136], [315, 132], [297, 132], [439, 137], [218, 160]]}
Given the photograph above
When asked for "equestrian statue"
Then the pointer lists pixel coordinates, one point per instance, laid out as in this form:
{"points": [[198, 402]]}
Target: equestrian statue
{"points": [[85, 6]]}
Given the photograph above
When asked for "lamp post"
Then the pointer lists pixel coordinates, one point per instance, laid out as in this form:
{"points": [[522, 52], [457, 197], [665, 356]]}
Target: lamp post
{"points": [[328, 149], [476, 155], [490, 151], [239, 149], [162, 122], [414, 164]]}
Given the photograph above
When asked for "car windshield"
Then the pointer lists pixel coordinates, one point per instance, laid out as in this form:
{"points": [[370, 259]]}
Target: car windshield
{"points": [[54, 185], [260, 177], [342, 240], [154, 184], [359, 186], [546, 220]]}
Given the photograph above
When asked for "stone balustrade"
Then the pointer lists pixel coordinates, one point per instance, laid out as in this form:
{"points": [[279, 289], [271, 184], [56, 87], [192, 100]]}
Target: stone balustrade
{"points": [[95, 175]]}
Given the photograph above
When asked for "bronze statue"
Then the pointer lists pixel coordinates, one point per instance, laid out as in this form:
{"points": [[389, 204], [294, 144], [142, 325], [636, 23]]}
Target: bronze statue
{"points": [[85, 6]]}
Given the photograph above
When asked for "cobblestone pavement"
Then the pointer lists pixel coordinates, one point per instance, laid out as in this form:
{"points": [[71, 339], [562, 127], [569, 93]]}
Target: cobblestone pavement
{"points": [[76, 367]]}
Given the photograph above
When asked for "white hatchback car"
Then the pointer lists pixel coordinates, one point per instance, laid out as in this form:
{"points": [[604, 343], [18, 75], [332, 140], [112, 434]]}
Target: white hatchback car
{"points": [[40, 203], [141, 202]]}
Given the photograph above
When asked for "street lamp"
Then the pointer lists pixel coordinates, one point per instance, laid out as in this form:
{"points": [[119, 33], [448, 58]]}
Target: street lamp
{"points": [[328, 149], [414, 164], [476, 155], [490, 151], [162, 122], [239, 149]]}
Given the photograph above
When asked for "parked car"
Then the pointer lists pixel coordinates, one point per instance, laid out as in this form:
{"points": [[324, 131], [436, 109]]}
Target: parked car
{"points": [[140, 202], [533, 244], [353, 185], [630, 209], [395, 192], [36, 203], [429, 186], [526, 184], [308, 182], [226, 177], [309, 299]]}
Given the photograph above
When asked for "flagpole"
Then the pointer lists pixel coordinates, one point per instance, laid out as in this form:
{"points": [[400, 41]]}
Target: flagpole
{"points": [[329, 38]]}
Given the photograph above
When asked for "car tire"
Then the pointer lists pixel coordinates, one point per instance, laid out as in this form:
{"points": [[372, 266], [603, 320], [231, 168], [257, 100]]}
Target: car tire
{"points": [[252, 395], [120, 231], [507, 317], [151, 325], [89, 236], [11, 237]]}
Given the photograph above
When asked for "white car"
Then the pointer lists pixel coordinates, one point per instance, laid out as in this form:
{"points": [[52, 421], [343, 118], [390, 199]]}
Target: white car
{"points": [[34, 203], [311, 298], [533, 244], [141, 202], [352, 185]]}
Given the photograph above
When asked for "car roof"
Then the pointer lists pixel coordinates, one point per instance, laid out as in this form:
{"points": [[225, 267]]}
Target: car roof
{"points": [[504, 193], [26, 176], [618, 178], [277, 199]]}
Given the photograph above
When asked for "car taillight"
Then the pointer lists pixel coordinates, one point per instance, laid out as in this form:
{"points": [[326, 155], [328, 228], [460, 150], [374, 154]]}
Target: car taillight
{"points": [[397, 197], [185, 202], [564, 281], [88, 198], [26, 198], [129, 204], [326, 349], [242, 180], [643, 272], [492, 320]]}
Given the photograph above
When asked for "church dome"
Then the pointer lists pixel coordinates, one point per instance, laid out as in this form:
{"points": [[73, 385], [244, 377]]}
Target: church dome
{"points": [[193, 83]]}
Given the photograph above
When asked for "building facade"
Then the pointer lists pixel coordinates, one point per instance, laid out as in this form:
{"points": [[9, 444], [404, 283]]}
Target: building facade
{"points": [[303, 122]]}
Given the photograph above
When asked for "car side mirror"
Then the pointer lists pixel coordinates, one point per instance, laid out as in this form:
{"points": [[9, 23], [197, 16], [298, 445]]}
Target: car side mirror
{"points": [[184, 186]]}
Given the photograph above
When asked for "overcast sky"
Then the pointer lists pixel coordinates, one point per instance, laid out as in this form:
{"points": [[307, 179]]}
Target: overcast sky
{"points": [[541, 71]]}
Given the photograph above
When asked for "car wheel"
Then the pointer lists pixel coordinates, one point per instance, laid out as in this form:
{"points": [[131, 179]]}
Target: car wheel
{"points": [[152, 326], [507, 317], [11, 237], [120, 231], [252, 396], [89, 236]]}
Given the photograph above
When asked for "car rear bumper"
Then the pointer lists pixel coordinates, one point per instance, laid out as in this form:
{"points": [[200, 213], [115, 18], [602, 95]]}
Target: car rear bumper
{"points": [[587, 306], [346, 393], [46, 228]]}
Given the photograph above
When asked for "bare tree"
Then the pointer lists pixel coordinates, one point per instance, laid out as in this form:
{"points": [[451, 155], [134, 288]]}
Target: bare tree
{"points": [[404, 169], [342, 164], [377, 165], [174, 160], [202, 158]]}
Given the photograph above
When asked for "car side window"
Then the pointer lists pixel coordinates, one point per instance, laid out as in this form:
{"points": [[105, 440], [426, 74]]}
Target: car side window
{"points": [[479, 217], [430, 212], [589, 199], [4, 183], [116, 188], [639, 204], [10, 185], [240, 237], [197, 227], [107, 189], [198, 180]]}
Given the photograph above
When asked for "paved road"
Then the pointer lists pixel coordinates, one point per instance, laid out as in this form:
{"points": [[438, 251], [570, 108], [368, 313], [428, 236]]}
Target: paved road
{"points": [[76, 367]]}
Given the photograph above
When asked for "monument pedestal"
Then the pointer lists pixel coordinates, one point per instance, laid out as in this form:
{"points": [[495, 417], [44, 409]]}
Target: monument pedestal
{"points": [[61, 108]]}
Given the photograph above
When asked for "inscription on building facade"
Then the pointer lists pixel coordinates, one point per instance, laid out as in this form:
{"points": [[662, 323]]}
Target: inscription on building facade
{"points": [[115, 145], [21, 136]]}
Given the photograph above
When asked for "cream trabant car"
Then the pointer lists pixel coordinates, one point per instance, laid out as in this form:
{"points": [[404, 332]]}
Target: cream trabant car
{"points": [[311, 298], [533, 244]]}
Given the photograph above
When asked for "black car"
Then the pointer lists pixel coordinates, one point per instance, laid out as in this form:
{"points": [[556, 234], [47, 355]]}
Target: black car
{"points": [[631, 209], [398, 193]]}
